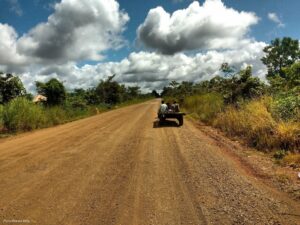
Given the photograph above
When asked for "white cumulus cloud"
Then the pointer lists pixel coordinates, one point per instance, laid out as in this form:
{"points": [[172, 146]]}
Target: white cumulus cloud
{"points": [[274, 18], [83, 29], [77, 30], [210, 26], [153, 70], [8, 47]]}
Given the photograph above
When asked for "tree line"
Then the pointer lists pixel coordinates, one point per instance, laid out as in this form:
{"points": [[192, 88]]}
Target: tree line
{"points": [[266, 114], [282, 59], [107, 92]]}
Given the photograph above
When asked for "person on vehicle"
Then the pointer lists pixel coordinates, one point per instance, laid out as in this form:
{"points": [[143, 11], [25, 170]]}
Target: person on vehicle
{"points": [[175, 107], [169, 107], [163, 108]]}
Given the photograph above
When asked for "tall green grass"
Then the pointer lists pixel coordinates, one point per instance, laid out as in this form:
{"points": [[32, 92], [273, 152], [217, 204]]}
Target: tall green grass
{"points": [[22, 114], [62, 114], [55, 115], [1, 117], [205, 106]]}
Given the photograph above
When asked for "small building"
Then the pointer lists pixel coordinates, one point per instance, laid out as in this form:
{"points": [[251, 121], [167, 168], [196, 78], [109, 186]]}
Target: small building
{"points": [[39, 98]]}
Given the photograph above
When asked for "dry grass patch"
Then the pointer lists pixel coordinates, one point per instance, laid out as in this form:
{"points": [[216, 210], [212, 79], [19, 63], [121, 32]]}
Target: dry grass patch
{"points": [[289, 135], [253, 122], [291, 160]]}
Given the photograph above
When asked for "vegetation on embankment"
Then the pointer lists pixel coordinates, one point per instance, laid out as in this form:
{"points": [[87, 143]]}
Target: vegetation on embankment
{"points": [[18, 111], [265, 116], [21, 114], [258, 121]]}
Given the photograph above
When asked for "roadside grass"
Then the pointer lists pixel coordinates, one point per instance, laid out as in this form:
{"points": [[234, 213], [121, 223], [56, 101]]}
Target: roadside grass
{"points": [[206, 107], [1, 118], [253, 121], [21, 115], [63, 114], [286, 106], [288, 133], [291, 160]]}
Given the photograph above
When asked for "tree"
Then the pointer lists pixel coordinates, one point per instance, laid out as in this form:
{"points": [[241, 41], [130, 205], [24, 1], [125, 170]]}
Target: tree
{"points": [[173, 84], [54, 90], [249, 86], [109, 91], [123, 93], [281, 53], [80, 92], [91, 96], [77, 98], [134, 91], [240, 86], [185, 89], [10, 87], [167, 91], [293, 75], [155, 94], [227, 69]]}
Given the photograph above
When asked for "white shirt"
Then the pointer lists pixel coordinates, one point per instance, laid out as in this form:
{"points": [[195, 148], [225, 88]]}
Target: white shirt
{"points": [[163, 108]]}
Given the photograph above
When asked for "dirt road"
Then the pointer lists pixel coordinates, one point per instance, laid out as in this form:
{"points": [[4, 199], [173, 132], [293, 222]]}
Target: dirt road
{"points": [[119, 168]]}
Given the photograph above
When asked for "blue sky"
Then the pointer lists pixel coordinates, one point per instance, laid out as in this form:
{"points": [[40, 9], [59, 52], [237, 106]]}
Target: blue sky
{"points": [[273, 18]]}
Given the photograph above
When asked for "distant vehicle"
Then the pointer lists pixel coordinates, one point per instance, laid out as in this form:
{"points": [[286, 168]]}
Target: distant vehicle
{"points": [[174, 115]]}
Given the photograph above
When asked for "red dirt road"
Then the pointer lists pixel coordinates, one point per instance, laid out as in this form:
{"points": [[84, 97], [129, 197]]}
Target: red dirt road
{"points": [[119, 168]]}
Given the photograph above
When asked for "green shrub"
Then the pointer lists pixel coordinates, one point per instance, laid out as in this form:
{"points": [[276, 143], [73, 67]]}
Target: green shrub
{"points": [[77, 113], [206, 106], [287, 107], [21, 114], [1, 116], [62, 114], [79, 105], [55, 115], [280, 154]]}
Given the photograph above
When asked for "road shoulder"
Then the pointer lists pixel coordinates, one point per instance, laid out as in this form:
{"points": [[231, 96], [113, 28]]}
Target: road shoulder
{"points": [[256, 163]]}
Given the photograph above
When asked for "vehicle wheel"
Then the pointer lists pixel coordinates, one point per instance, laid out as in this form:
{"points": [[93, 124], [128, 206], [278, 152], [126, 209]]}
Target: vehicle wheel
{"points": [[180, 120], [161, 121]]}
